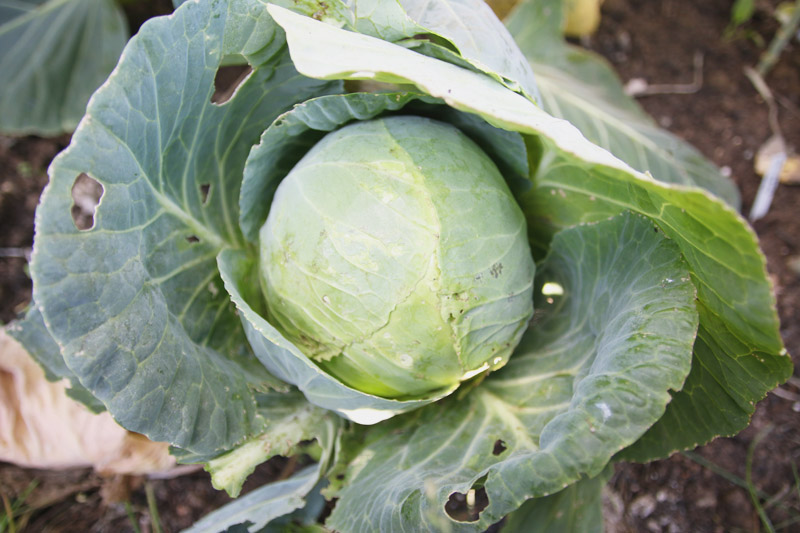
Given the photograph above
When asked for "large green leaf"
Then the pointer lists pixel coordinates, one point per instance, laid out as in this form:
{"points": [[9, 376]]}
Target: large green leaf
{"points": [[54, 55], [578, 181], [614, 333], [719, 395], [576, 509], [579, 86], [136, 302], [736, 360]]}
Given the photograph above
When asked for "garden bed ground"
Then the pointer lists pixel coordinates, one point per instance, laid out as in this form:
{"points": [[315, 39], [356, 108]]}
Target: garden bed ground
{"points": [[725, 118]]}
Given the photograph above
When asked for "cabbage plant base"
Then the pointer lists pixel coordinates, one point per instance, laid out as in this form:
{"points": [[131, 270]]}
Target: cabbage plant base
{"points": [[645, 288]]}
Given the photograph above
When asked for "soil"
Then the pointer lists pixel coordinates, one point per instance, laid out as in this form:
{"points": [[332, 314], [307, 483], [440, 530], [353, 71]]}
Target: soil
{"points": [[727, 119]]}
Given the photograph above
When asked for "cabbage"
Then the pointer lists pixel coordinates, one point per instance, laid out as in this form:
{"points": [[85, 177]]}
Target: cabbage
{"points": [[395, 255], [655, 327]]}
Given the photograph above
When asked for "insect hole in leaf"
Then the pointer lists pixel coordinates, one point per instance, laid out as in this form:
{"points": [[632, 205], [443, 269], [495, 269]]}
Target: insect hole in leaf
{"points": [[227, 80], [467, 507], [86, 195]]}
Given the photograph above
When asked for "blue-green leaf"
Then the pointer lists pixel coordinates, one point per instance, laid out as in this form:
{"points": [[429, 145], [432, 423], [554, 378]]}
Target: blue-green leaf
{"points": [[136, 302], [480, 38], [463, 32]]}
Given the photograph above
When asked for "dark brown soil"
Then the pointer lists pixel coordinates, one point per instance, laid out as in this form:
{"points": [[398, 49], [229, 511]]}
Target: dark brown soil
{"points": [[726, 119], [23, 174]]}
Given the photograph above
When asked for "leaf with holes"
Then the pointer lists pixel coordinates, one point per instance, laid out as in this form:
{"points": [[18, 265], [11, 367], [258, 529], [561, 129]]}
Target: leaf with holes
{"points": [[136, 302]]}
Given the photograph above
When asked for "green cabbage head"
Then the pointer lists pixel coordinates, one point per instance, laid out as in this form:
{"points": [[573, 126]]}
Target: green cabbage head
{"points": [[395, 256]]}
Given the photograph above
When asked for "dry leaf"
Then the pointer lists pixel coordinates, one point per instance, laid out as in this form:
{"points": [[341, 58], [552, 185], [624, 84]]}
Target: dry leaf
{"points": [[775, 145], [41, 427]]}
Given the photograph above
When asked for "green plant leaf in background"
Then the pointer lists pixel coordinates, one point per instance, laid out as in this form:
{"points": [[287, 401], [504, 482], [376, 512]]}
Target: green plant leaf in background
{"points": [[581, 87], [588, 378], [53, 56], [741, 12]]}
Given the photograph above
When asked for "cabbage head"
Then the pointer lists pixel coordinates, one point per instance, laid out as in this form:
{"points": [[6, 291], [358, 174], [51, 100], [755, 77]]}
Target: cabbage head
{"points": [[395, 255]]}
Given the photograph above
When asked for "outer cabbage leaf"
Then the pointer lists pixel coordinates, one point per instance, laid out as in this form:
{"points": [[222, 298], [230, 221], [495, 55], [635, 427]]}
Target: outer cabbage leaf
{"points": [[728, 376], [136, 303], [258, 508], [579, 86], [589, 377], [577, 181], [387, 20], [290, 420], [54, 55], [738, 356]]}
